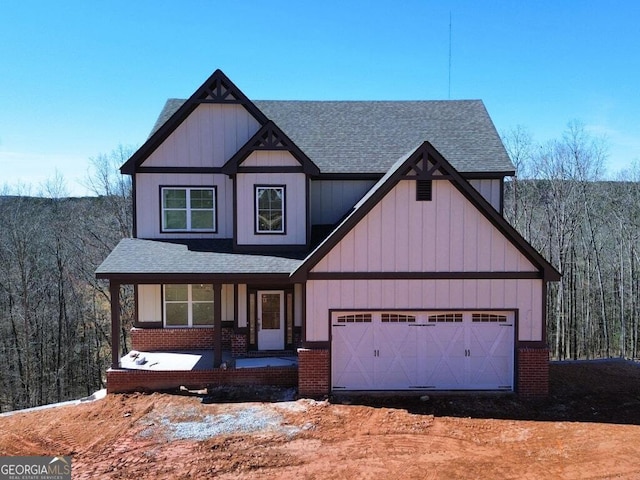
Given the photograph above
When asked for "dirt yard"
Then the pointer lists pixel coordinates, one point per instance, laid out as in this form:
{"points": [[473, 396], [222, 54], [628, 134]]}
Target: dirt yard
{"points": [[589, 428]]}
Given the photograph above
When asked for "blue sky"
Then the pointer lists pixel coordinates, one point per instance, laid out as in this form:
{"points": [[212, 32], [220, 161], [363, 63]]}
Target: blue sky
{"points": [[78, 78]]}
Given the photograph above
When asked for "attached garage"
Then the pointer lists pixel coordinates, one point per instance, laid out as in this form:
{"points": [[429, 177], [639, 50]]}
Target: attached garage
{"points": [[422, 350]]}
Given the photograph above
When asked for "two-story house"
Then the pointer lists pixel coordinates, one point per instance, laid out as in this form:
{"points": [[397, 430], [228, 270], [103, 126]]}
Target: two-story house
{"points": [[365, 238]]}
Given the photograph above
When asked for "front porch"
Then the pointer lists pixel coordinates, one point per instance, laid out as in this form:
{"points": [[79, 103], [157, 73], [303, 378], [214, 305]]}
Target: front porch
{"points": [[141, 371]]}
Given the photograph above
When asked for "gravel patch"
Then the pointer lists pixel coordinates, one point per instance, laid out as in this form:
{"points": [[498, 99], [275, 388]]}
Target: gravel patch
{"points": [[250, 419]]}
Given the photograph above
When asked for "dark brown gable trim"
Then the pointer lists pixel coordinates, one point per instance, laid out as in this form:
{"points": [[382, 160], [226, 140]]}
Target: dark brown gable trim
{"points": [[216, 89], [174, 170], [348, 176], [269, 138], [487, 175], [259, 248], [155, 278], [423, 275], [282, 169]]}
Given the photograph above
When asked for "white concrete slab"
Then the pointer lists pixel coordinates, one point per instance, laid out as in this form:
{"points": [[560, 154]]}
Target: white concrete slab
{"points": [[162, 360]]}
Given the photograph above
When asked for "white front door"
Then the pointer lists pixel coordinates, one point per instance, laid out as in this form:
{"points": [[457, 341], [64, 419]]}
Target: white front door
{"points": [[271, 320]]}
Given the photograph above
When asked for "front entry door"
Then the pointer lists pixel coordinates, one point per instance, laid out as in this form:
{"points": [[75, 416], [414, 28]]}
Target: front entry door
{"points": [[271, 320]]}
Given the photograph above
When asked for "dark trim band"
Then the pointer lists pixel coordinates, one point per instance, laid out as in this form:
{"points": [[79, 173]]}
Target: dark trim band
{"points": [[424, 275]]}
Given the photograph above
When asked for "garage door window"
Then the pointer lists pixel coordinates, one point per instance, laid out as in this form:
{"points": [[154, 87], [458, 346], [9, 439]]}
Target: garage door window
{"points": [[446, 318], [488, 318], [355, 318], [397, 318]]}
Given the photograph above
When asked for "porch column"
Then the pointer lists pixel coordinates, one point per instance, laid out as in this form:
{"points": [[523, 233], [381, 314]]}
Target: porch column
{"points": [[217, 325], [114, 290]]}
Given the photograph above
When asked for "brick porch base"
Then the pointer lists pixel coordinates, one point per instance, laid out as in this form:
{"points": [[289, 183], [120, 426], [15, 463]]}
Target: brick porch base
{"points": [[167, 339], [122, 381]]}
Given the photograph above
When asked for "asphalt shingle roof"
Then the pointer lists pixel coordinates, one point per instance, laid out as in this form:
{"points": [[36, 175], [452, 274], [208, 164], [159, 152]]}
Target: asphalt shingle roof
{"points": [[136, 256], [369, 136]]}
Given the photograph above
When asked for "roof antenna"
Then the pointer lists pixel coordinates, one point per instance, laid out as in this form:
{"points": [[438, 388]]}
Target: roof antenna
{"points": [[449, 54]]}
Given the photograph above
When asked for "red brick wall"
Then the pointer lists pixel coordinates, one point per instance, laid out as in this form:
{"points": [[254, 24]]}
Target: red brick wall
{"points": [[533, 372], [313, 372], [227, 334], [122, 381], [165, 339], [238, 345]]}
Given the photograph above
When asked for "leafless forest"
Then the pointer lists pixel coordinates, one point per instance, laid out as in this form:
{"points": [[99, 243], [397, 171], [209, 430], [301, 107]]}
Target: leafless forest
{"points": [[54, 315], [589, 229]]}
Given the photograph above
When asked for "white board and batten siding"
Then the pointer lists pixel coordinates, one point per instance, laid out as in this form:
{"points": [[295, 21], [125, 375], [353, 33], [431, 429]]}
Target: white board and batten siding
{"points": [[295, 208], [447, 234], [208, 137], [522, 296], [149, 206]]}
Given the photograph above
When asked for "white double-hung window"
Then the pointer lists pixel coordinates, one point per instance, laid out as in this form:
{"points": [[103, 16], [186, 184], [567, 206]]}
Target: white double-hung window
{"points": [[188, 305], [186, 209]]}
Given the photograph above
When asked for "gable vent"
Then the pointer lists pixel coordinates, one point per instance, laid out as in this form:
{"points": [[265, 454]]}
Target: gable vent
{"points": [[423, 190]]}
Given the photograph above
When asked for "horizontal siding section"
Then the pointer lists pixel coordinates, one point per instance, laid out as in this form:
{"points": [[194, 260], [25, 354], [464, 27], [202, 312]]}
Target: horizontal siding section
{"points": [[490, 189], [447, 234], [295, 208], [148, 203], [208, 137], [525, 296], [332, 199]]}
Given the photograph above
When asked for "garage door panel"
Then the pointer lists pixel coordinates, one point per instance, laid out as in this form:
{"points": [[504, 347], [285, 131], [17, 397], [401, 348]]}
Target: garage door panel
{"points": [[396, 364], [442, 351], [352, 342], [449, 374]]}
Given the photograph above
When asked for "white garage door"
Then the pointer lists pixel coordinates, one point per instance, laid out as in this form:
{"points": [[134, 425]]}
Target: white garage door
{"points": [[422, 350]]}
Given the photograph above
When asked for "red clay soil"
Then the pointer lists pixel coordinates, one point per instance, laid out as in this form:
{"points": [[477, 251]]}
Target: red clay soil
{"points": [[589, 428]]}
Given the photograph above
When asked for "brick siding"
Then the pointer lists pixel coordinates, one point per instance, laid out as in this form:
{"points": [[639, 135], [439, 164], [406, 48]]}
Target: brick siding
{"points": [[238, 345], [313, 368], [122, 381], [167, 339], [533, 372]]}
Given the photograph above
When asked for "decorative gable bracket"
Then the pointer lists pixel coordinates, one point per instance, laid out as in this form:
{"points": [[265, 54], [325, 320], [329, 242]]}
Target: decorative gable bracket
{"points": [[269, 138], [220, 90], [426, 167]]}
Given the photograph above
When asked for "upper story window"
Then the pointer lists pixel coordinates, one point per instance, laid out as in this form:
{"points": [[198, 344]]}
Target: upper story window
{"points": [[188, 209], [270, 208], [188, 305]]}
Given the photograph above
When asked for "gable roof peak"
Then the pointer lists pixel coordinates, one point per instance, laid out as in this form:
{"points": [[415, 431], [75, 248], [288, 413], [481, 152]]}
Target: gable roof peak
{"points": [[425, 157], [218, 88], [270, 138]]}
